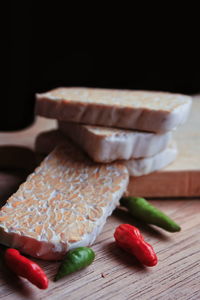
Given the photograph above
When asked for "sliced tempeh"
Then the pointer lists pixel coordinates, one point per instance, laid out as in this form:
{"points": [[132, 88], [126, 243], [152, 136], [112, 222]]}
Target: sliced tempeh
{"points": [[48, 140], [104, 144], [62, 205], [139, 110]]}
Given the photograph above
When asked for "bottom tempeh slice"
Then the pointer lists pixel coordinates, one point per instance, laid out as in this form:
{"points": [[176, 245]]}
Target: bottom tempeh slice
{"points": [[62, 205]]}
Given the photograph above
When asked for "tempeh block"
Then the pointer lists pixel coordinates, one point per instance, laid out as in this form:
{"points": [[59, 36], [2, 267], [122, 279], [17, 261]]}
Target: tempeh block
{"points": [[63, 204]]}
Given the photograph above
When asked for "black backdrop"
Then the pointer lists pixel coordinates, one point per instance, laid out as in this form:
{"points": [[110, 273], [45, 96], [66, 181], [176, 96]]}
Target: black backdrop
{"points": [[54, 45]]}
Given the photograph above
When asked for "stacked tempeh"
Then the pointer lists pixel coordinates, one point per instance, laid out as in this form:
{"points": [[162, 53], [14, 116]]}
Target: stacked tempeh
{"points": [[91, 118], [65, 202]]}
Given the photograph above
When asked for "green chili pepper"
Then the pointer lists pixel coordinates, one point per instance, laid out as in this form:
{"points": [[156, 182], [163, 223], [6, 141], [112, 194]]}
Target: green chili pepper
{"points": [[144, 211], [75, 260]]}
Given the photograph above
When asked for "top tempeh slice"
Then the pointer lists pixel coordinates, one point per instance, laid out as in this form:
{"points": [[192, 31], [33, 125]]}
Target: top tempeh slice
{"points": [[139, 110], [63, 204]]}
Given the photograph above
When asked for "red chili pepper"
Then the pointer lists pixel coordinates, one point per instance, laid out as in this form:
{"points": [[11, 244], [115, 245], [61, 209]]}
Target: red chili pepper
{"points": [[26, 268], [130, 239]]}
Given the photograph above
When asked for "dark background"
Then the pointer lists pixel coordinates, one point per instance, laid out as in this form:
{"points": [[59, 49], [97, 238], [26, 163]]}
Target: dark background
{"points": [[52, 44]]}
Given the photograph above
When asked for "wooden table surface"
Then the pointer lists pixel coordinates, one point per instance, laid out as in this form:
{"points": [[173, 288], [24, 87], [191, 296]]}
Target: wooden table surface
{"points": [[115, 274]]}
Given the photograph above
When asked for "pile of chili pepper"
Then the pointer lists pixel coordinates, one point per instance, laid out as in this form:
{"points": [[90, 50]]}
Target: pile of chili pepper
{"points": [[130, 239], [74, 260], [127, 237]]}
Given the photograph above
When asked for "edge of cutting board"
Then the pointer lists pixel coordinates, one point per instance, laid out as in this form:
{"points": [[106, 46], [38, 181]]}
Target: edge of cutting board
{"points": [[166, 184]]}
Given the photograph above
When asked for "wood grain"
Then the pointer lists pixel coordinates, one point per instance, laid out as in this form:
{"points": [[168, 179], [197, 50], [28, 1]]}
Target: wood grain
{"points": [[116, 275], [166, 184]]}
